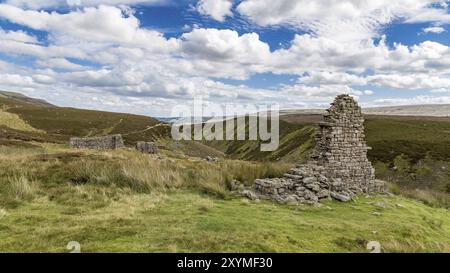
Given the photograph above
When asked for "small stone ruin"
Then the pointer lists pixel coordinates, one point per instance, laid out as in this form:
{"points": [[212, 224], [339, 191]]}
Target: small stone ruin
{"points": [[111, 142], [147, 147], [339, 168]]}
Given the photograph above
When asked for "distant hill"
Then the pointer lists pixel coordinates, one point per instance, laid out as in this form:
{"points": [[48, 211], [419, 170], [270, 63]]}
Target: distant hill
{"points": [[44, 122], [17, 97], [431, 110]]}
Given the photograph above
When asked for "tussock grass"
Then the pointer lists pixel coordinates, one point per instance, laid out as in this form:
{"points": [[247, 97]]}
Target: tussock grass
{"points": [[145, 174], [428, 197], [20, 187], [129, 170]]}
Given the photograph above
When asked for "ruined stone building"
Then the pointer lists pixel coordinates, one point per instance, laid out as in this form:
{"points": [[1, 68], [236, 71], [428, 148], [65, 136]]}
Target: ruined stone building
{"points": [[339, 167], [340, 144], [99, 143]]}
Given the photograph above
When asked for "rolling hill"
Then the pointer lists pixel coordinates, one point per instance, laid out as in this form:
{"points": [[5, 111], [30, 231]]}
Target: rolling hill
{"points": [[45, 122], [412, 151]]}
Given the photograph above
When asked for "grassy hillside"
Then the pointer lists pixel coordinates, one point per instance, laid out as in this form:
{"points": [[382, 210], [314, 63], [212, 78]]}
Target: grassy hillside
{"points": [[57, 124], [412, 152], [125, 201], [175, 201], [20, 98], [389, 136], [296, 142]]}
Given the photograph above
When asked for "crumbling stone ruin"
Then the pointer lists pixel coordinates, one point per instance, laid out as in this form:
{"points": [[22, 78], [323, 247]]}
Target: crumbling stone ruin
{"points": [[339, 168], [111, 142], [147, 147]]}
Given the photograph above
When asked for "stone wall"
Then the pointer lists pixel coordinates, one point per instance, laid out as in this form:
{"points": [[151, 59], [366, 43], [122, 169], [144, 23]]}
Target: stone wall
{"points": [[339, 168], [99, 143]]}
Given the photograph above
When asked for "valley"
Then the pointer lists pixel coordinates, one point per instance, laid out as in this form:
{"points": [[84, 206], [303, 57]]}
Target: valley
{"points": [[176, 201]]}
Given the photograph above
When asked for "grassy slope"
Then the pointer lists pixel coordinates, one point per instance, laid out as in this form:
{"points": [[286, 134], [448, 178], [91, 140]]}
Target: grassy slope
{"points": [[411, 152], [389, 136], [296, 141], [17, 97], [187, 221], [59, 124], [118, 201]]}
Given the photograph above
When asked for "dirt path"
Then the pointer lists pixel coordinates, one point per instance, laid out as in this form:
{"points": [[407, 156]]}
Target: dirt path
{"points": [[146, 129]]}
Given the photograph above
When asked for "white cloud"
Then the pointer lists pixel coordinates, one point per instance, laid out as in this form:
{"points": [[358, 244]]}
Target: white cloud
{"points": [[17, 36], [16, 80], [436, 30], [60, 63], [39, 4], [217, 9], [20, 48], [103, 24], [225, 50], [136, 66], [347, 20]]}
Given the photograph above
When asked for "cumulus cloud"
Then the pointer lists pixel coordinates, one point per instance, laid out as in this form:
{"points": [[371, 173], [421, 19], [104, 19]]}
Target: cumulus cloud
{"points": [[217, 9], [95, 24]]}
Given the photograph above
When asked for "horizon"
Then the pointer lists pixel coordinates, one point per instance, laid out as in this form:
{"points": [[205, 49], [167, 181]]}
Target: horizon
{"points": [[148, 56], [282, 111]]}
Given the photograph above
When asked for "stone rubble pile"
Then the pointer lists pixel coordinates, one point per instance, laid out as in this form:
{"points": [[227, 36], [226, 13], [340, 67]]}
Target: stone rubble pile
{"points": [[147, 147], [339, 168]]}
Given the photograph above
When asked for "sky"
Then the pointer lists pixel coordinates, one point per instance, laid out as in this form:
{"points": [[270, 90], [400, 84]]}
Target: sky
{"points": [[148, 56]]}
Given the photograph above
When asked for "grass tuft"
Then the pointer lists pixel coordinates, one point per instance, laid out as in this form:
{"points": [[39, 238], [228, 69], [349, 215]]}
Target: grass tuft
{"points": [[20, 187]]}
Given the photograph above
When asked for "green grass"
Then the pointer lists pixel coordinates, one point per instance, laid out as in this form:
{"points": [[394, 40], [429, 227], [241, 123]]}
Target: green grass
{"points": [[186, 221], [125, 201]]}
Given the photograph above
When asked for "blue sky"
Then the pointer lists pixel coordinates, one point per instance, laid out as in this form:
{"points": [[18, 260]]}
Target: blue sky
{"points": [[147, 56]]}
